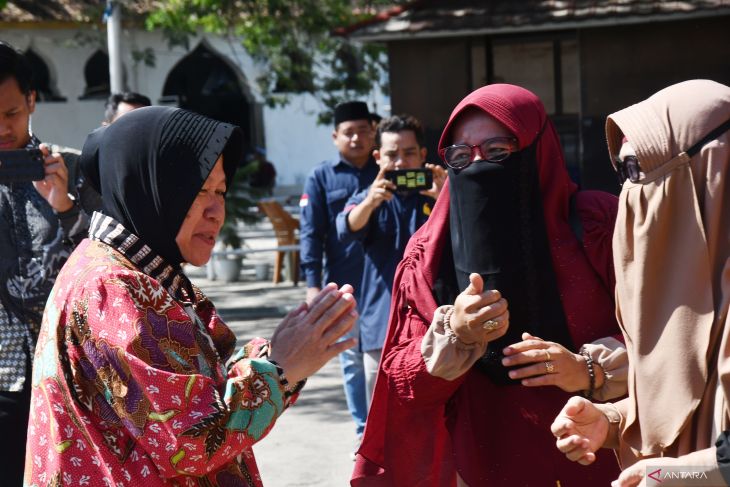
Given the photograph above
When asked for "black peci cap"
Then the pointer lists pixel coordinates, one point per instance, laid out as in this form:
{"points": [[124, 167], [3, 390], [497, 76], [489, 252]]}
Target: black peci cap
{"points": [[351, 110]]}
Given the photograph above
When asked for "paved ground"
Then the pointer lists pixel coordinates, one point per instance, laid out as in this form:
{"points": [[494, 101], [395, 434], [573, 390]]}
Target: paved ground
{"points": [[311, 442]]}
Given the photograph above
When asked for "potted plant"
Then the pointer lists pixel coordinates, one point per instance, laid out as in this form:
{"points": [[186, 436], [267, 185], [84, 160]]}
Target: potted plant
{"points": [[240, 204]]}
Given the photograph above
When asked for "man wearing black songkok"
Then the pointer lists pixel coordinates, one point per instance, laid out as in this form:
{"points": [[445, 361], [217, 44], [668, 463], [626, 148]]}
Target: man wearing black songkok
{"points": [[323, 257]]}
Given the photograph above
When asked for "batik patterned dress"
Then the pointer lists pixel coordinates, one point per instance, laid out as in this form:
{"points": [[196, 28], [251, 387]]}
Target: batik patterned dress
{"points": [[129, 383]]}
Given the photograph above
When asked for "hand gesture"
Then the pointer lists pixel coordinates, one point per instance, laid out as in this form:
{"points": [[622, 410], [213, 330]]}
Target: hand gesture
{"points": [[581, 429], [635, 475], [54, 187], [381, 189], [546, 364], [308, 337], [479, 316], [439, 179], [312, 292]]}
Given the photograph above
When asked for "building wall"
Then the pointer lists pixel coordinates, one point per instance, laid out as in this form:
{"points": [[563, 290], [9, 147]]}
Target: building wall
{"points": [[626, 64], [427, 80], [623, 65], [293, 140], [603, 70]]}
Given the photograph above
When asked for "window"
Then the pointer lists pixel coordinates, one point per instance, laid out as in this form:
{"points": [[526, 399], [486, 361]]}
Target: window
{"points": [[96, 73], [548, 68], [42, 78]]}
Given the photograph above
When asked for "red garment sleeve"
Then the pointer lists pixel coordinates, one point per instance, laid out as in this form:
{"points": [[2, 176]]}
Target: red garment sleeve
{"points": [[406, 441], [597, 211]]}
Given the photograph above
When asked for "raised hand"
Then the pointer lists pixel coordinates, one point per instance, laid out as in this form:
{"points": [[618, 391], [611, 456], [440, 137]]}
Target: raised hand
{"points": [[479, 316], [439, 175], [54, 187], [308, 337], [381, 189]]}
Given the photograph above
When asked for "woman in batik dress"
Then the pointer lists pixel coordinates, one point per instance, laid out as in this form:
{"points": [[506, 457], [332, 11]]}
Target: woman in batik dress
{"points": [[130, 383]]}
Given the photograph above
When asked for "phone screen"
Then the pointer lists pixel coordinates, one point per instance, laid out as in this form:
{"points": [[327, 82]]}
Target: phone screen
{"points": [[410, 179]]}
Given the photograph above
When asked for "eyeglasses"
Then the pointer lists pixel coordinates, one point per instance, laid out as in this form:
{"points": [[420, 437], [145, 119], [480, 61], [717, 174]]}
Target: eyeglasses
{"points": [[496, 149], [628, 168]]}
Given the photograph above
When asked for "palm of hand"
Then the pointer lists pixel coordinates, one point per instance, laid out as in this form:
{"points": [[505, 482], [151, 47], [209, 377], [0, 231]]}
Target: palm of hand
{"points": [[591, 425]]}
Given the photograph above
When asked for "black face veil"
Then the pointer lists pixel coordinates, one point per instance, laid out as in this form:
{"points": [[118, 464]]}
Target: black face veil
{"points": [[151, 163], [498, 231]]}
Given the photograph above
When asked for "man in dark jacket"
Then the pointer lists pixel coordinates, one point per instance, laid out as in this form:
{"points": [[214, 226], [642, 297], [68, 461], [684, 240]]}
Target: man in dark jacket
{"points": [[324, 258], [383, 217], [40, 222]]}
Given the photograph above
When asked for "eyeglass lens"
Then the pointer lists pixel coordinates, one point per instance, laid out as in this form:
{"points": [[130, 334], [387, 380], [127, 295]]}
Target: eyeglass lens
{"points": [[628, 168], [492, 150]]}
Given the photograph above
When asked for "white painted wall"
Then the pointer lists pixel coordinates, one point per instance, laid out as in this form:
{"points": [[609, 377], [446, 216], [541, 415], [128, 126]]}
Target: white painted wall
{"points": [[294, 141]]}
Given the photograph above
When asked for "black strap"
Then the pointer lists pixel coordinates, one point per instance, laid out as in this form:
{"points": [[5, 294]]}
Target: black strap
{"points": [[711, 136]]}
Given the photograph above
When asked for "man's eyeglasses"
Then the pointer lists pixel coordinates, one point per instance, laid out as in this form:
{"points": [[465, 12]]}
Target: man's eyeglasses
{"points": [[496, 149], [628, 168]]}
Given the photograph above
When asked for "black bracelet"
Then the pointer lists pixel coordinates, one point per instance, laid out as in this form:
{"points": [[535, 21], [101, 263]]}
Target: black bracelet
{"points": [[591, 374], [288, 390]]}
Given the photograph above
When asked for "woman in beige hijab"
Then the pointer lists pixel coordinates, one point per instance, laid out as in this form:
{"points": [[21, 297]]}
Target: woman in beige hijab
{"points": [[672, 257]]}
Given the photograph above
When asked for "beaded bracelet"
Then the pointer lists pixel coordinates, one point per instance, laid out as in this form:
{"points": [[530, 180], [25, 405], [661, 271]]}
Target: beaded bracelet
{"points": [[449, 332], [447, 326], [591, 374], [289, 391]]}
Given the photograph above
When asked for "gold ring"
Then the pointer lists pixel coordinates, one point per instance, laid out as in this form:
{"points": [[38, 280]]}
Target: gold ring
{"points": [[490, 325], [549, 367], [548, 354]]}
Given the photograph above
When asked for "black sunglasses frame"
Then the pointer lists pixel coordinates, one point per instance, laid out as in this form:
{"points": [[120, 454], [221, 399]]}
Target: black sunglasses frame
{"points": [[629, 167]]}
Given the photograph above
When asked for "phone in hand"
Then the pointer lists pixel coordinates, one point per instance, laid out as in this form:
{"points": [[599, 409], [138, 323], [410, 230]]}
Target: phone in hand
{"points": [[407, 180], [19, 165]]}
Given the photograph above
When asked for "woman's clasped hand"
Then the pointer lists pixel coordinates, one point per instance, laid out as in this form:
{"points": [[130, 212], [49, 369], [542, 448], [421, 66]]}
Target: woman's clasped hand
{"points": [[308, 337]]}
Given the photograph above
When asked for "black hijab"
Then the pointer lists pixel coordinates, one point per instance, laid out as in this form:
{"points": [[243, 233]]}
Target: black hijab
{"points": [[149, 166]]}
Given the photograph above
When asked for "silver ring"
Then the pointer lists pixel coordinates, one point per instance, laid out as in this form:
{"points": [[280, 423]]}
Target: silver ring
{"points": [[490, 325]]}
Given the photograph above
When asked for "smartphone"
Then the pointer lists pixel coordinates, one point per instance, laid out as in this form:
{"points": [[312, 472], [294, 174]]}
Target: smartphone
{"points": [[407, 180], [20, 165]]}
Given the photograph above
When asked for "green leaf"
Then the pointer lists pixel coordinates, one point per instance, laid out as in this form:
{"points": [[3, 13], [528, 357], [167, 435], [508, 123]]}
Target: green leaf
{"points": [[292, 37]]}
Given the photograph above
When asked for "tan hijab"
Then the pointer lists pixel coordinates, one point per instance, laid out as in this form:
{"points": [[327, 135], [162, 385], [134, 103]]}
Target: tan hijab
{"points": [[671, 249]]}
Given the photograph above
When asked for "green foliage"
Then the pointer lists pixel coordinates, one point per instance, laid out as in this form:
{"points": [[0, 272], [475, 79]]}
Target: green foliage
{"points": [[293, 38]]}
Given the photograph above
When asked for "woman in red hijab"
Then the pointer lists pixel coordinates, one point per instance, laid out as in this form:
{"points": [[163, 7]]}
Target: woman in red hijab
{"points": [[467, 390]]}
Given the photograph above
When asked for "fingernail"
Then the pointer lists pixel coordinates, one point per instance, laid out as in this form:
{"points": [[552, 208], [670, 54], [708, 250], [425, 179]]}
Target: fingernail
{"points": [[348, 297], [512, 374], [505, 362]]}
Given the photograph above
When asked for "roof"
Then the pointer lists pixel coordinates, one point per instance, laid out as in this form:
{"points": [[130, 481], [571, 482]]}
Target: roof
{"points": [[449, 18], [64, 11]]}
